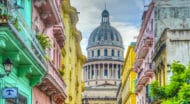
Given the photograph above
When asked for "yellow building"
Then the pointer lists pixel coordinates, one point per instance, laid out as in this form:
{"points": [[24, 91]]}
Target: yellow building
{"points": [[128, 77], [73, 58]]}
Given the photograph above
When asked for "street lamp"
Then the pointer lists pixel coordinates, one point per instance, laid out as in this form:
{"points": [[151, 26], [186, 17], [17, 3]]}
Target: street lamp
{"points": [[7, 64]]}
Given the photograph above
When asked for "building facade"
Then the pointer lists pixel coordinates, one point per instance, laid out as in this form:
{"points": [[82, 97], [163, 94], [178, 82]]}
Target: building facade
{"points": [[128, 94], [101, 72], [47, 22], [72, 59], [19, 44], [143, 62], [160, 42], [171, 40]]}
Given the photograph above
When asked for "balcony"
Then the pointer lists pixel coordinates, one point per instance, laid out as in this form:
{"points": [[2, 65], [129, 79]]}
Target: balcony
{"points": [[53, 85], [49, 10], [137, 64], [58, 32], [144, 76], [144, 47], [149, 72], [12, 21]]}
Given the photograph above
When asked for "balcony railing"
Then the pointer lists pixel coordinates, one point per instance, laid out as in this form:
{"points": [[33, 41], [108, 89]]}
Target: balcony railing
{"points": [[144, 76], [144, 47], [149, 72], [11, 17], [50, 10], [57, 78]]}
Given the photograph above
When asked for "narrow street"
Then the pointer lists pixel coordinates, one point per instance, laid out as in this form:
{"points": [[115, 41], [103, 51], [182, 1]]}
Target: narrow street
{"points": [[94, 51]]}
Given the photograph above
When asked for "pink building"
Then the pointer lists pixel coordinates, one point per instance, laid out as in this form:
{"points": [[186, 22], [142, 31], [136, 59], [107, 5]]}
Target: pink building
{"points": [[46, 18], [144, 50]]}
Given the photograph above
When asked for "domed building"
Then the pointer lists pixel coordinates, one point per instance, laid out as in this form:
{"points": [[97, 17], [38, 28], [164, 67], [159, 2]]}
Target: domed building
{"points": [[101, 72]]}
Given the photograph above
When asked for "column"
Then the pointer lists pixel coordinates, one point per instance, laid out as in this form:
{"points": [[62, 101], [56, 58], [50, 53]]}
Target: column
{"points": [[111, 73], [108, 70], [116, 76], [84, 77], [90, 71], [86, 73], [99, 71], [103, 71], [119, 71], [95, 72]]}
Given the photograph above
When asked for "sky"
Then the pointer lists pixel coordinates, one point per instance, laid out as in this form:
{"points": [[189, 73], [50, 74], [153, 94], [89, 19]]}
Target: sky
{"points": [[125, 16]]}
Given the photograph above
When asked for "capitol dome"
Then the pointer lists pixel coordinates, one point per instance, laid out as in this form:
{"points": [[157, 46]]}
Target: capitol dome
{"points": [[105, 34], [105, 56]]}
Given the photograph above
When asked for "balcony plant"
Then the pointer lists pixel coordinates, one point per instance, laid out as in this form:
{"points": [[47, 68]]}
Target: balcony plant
{"points": [[43, 40], [16, 24]]}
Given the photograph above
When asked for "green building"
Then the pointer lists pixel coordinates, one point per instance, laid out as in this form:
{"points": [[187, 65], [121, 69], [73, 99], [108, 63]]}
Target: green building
{"points": [[19, 44]]}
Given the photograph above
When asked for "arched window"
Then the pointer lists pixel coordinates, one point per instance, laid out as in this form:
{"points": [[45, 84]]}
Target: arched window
{"points": [[112, 52], [118, 53], [105, 52], [92, 53], [98, 52]]}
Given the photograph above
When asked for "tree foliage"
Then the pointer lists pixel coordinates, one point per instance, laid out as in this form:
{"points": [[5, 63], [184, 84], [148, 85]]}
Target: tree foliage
{"points": [[178, 90]]}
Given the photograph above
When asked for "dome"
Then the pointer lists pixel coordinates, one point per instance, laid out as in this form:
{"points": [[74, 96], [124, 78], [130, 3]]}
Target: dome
{"points": [[105, 13], [105, 34]]}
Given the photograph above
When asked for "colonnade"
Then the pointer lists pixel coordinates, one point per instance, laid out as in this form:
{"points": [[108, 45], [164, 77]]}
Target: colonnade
{"points": [[101, 71]]}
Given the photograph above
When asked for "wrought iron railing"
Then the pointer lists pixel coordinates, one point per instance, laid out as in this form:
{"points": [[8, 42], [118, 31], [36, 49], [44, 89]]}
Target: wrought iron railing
{"points": [[11, 16]]}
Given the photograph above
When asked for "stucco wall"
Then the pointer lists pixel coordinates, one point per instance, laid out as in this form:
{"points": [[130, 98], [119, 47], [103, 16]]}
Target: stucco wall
{"points": [[39, 97], [178, 46]]}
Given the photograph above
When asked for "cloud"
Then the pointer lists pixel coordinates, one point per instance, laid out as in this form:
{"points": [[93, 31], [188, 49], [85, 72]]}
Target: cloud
{"points": [[127, 31], [124, 14]]}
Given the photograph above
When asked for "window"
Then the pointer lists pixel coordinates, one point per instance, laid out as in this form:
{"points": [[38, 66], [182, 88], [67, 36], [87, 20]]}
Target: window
{"points": [[105, 52], [112, 52], [88, 53], [148, 91], [152, 24], [118, 53], [21, 100], [106, 73], [98, 52], [92, 53], [92, 73], [97, 74], [112, 36], [88, 73], [118, 72], [22, 4]]}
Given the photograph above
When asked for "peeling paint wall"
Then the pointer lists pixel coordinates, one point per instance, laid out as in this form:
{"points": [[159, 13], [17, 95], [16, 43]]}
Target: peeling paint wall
{"points": [[166, 12], [178, 46]]}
